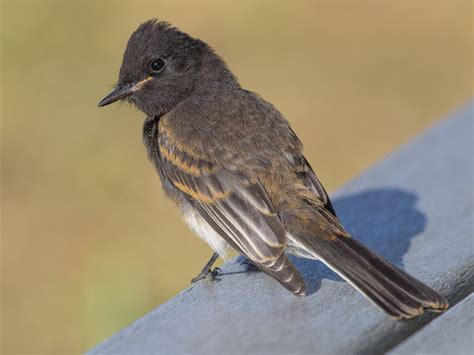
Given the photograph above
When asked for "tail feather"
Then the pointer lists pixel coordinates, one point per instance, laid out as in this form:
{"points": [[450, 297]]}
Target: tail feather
{"points": [[285, 273], [397, 293]]}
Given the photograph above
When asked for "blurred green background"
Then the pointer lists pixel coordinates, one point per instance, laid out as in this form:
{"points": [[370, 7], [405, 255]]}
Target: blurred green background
{"points": [[89, 242]]}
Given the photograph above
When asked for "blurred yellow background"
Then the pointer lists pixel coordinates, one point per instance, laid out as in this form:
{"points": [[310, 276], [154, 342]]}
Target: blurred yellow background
{"points": [[89, 242]]}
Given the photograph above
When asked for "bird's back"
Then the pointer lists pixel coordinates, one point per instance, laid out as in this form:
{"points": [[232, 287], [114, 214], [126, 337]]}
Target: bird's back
{"points": [[243, 132]]}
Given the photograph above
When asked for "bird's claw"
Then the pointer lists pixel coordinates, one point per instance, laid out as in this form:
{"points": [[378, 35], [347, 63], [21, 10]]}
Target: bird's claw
{"points": [[212, 275]]}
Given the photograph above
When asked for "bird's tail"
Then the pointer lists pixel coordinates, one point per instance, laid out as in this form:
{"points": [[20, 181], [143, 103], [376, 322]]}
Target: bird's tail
{"points": [[397, 293]]}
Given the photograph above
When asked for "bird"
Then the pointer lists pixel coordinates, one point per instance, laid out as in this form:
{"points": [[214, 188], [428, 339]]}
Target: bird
{"points": [[236, 171]]}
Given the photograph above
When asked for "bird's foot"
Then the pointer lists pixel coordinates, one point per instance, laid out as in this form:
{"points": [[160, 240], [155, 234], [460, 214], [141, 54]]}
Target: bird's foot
{"points": [[212, 275]]}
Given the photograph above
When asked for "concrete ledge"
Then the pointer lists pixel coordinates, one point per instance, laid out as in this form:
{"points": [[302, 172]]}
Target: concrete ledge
{"points": [[451, 333], [415, 208]]}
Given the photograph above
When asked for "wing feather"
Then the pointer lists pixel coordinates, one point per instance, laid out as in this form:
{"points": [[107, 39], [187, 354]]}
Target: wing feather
{"points": [[307, 175], [236, 206]]}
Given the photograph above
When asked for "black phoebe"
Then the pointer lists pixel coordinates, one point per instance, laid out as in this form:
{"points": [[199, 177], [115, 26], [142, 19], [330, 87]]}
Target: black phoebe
{"points": [[236, 170]]}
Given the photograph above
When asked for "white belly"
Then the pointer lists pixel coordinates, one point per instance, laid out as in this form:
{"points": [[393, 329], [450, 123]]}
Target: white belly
{"points": [[200, 227]]}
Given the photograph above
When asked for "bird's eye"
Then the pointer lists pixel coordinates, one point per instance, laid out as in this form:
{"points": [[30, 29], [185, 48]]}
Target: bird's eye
{"points": [[157, 65]]}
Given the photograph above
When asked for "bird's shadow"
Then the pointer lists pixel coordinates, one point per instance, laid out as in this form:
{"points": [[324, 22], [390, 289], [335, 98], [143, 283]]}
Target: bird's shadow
{"points": [[384, 219]]}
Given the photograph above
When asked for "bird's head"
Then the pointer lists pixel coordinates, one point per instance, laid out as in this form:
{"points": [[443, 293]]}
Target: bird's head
{"points": [[162, 66]]}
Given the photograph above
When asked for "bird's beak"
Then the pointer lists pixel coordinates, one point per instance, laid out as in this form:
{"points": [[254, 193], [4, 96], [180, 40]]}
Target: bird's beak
{"points": [[123, 91]]}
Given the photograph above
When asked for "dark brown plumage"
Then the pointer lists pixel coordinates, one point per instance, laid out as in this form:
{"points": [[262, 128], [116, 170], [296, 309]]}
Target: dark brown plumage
{"points": [[237, 172]]}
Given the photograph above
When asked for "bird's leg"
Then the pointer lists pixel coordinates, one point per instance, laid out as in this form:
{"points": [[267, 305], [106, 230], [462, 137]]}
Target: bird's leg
{"points": [[206, 271]]}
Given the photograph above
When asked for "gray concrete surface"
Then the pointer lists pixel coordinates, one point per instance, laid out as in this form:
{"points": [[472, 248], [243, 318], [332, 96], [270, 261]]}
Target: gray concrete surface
{"points": [[450, 333], [415, 208]]}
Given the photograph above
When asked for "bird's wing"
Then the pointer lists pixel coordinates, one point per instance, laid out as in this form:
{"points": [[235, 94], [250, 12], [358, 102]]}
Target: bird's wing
{"points": [[308, 176], [305, 173], [236, 206]]}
